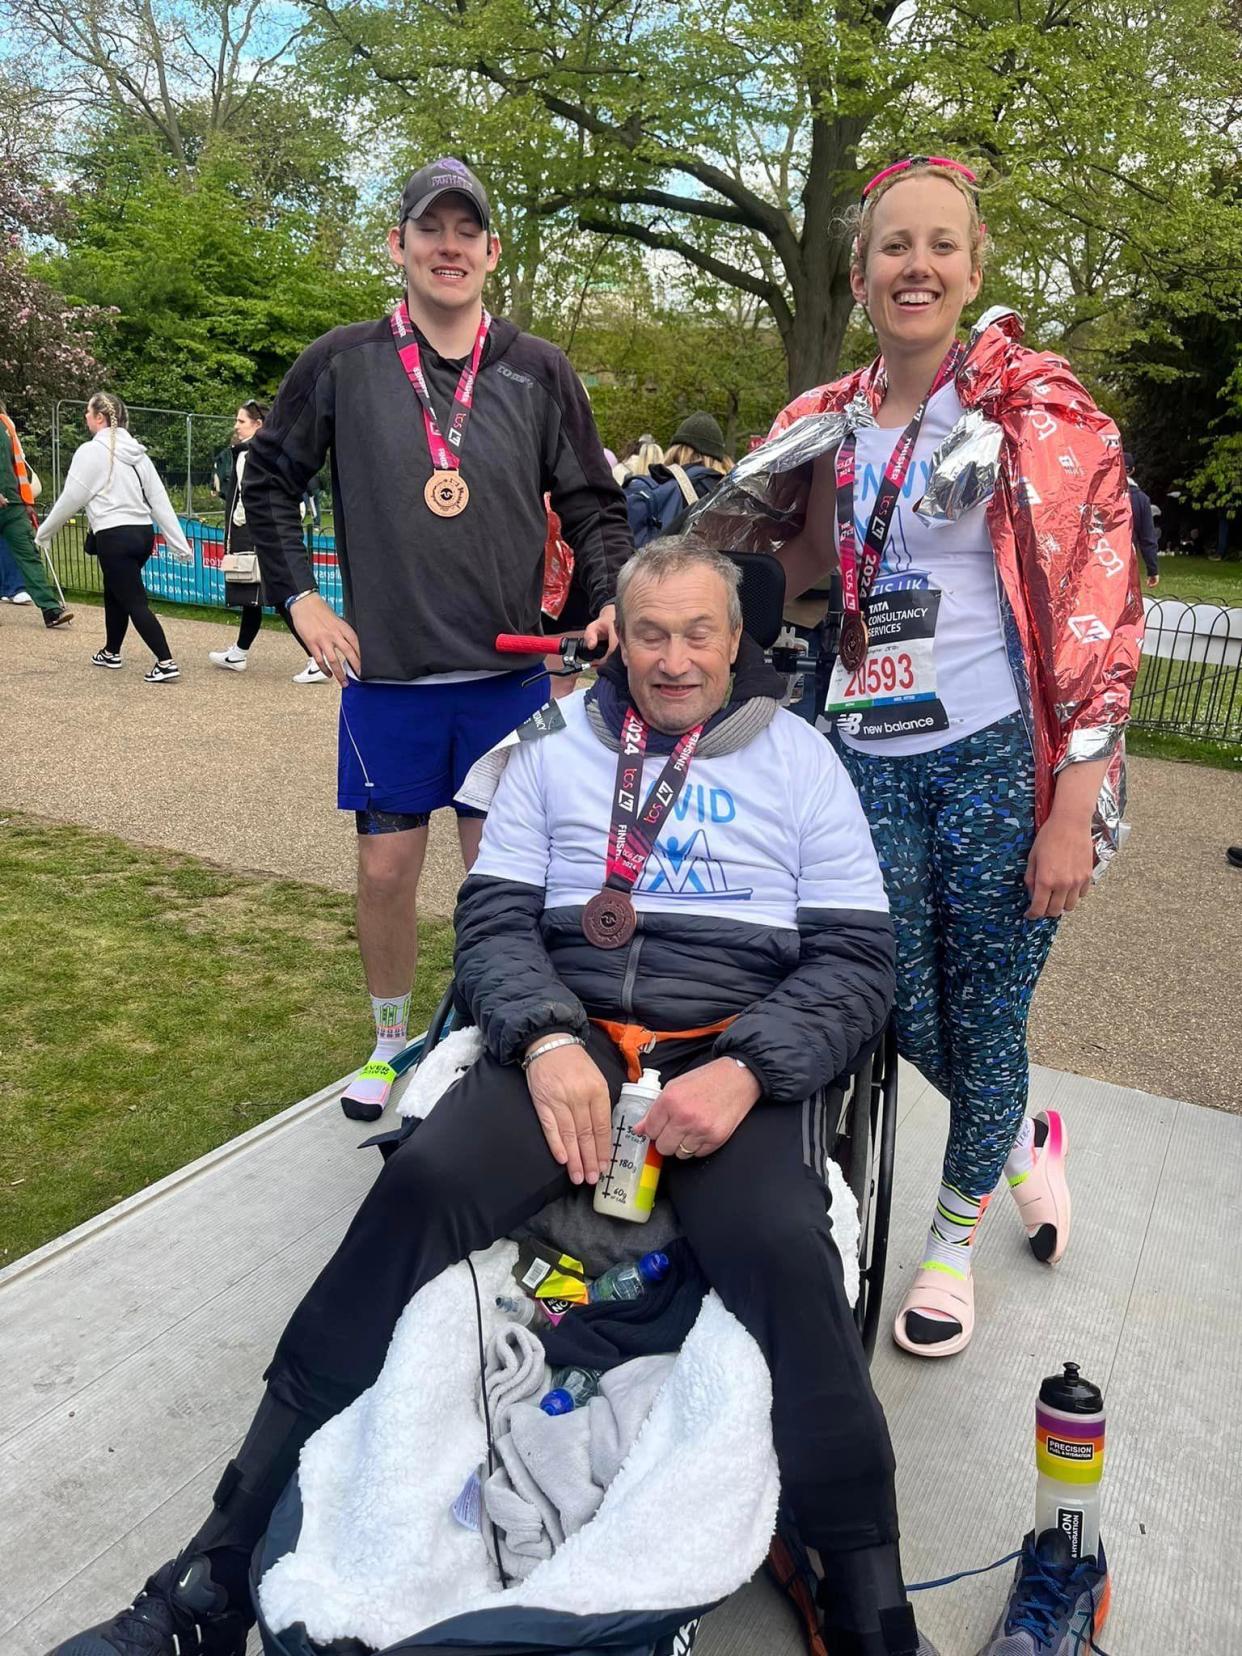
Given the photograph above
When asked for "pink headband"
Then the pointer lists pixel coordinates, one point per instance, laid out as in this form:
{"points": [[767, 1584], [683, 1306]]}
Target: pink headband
{"points": [[919, 161]]}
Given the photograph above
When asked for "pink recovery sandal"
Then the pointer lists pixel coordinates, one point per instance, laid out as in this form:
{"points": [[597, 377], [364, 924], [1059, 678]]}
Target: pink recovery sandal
{"points": [[1042, 1195]]}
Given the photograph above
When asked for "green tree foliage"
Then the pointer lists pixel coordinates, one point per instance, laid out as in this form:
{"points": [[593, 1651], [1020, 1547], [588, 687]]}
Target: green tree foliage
{"points": [[737, 141], [216, 282]]}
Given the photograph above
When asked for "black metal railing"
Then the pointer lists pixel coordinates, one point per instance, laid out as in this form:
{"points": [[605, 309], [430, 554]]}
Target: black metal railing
{"points": [[1190, 679]]}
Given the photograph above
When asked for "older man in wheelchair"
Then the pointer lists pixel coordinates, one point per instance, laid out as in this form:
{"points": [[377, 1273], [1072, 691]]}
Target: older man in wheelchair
{"points": [[675, 872]]}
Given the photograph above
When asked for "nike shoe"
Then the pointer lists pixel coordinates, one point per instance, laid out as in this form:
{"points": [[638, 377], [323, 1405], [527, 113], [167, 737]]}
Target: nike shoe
{"points": [[163, 672], [1057, 1604], [226, 659], [106, 658], [180, 1612], [1042, 1195], [312, 673]]}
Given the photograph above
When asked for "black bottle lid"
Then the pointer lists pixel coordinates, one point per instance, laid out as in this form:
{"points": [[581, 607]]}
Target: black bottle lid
{"points": [[1070, 1393]]}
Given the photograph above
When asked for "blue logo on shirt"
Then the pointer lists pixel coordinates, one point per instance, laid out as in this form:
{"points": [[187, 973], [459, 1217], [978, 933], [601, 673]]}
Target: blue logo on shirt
{"points": [[688, 869]]}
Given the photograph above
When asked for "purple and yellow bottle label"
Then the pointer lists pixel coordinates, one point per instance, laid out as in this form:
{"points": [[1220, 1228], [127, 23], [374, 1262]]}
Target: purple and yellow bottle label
{"points": [[1071, 1451]]}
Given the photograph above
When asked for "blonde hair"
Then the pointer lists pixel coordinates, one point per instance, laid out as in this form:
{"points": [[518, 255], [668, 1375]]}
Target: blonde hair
{"points": [[104, 405], [681, 454], [861, 219], [644, 456]]}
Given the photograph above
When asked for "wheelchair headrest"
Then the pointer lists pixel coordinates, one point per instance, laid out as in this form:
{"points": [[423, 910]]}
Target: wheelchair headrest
{"points": [[763, 595]]}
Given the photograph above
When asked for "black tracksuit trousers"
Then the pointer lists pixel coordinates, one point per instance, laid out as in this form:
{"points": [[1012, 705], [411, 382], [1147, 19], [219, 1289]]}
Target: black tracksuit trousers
{"points": [[755, 1214]]}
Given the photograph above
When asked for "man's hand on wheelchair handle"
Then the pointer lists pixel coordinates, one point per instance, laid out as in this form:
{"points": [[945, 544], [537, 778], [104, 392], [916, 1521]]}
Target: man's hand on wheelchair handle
{"points": [[702, 1109], [603, 630], [571, 1099]]}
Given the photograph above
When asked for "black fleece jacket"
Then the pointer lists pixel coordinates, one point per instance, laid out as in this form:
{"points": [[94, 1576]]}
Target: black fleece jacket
{"points": [[428, 594], [806, 1003]]}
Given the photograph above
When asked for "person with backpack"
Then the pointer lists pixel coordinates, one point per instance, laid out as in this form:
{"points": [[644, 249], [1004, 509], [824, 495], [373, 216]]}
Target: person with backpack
{"points": [[113, 478], [694, 463]]}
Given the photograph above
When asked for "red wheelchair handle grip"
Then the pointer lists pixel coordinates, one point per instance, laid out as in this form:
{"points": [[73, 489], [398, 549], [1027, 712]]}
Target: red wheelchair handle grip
{"points": [[533, 644]]}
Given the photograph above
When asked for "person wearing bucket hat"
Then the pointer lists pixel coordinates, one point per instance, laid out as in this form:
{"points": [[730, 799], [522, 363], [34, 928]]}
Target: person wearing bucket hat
{"points": [[446, 427], [694, 463]]}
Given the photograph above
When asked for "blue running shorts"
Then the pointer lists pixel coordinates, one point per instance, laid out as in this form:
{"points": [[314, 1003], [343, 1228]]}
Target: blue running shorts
{"points": [[404, 749]]}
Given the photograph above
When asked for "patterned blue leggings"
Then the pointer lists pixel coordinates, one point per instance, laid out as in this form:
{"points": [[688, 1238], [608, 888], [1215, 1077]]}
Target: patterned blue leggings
{"points": [[953, 829]]}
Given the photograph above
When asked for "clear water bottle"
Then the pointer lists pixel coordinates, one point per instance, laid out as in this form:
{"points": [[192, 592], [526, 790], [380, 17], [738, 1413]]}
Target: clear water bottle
{"points": [[529, 1312], [627, 1186], [627, 1282], [571, 1388], [1069, 1459]]}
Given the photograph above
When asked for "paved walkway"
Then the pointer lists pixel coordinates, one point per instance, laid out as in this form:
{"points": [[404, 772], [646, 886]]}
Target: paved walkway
{"points": [[1142, 988], [133, 1349]]}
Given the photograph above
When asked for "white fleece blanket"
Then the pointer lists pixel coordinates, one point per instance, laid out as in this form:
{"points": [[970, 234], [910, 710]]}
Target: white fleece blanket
{"points": [[380, 1556]]}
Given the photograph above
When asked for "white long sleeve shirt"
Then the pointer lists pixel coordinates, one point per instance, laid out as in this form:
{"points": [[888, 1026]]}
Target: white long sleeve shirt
{"points": [[111, 488]]}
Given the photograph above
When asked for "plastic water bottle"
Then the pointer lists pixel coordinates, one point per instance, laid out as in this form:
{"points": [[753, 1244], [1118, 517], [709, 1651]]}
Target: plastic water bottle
{"points": [[571, 1388], [529, 1312], [1069, 1459], [627, 1282], [627, 1187]]}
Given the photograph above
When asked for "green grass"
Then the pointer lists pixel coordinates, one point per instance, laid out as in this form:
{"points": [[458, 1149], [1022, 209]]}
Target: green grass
{"points": [[1199, 579], [1186, 750], [156, 1006]]}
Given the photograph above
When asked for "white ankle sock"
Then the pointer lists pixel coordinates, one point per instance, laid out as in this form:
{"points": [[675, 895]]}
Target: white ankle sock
{"points": [[1022, 1156], [948, 1241], [391, 1014]]}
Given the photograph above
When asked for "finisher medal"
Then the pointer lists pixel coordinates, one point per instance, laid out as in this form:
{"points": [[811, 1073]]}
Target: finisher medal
{"points": [[608, 920], [852, 647], [446, 493]]}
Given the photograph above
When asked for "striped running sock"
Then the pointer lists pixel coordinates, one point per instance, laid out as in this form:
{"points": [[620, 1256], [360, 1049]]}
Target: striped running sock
{"points": [[371, 1086], [950, 1237], [1021, 1161]]}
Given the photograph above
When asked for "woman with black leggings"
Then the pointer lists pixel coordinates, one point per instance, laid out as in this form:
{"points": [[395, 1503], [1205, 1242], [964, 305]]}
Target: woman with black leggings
{"points": [[113, 479]]}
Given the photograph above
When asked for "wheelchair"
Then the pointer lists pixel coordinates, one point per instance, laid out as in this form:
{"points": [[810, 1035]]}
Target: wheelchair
{"points": [[862, 1104]]}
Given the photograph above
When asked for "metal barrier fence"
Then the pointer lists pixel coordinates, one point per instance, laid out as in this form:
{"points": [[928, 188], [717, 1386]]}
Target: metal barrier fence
{"points": [[1190, 679], [198, 583], [183, 445]]}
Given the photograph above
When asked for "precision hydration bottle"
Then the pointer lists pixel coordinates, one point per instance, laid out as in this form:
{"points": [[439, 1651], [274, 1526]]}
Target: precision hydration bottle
{"points": [[1069, 1459], [627, 1187]]}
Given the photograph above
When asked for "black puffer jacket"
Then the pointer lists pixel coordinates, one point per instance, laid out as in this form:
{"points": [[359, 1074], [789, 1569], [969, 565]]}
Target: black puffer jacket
{"points": [[805, 1002]]}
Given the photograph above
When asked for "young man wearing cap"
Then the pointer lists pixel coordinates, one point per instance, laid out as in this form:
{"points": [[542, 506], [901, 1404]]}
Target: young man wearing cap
{"points": [[446, 427]]}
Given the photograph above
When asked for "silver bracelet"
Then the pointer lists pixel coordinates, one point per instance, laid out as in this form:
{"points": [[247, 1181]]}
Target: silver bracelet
{"points": [[550, 1045]]}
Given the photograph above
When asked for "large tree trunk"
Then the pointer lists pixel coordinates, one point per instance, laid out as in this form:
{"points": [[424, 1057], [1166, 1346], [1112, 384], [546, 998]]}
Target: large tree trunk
{"points": [[822, 306]]}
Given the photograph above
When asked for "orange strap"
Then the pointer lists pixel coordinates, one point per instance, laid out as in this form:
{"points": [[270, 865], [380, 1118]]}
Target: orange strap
{"points": [[632, 1040]]}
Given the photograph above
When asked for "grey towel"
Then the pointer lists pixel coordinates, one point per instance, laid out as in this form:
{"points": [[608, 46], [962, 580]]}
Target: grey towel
{"points": [[515, 1370], [555, 1469]]}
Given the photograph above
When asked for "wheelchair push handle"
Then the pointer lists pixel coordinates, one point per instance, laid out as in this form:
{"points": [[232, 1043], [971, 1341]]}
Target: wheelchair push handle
{"points": [[571, 648]]}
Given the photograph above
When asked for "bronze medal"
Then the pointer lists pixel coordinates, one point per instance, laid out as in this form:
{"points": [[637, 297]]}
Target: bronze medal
{"points": [[447, 493], [608, 920], [853, 645]]}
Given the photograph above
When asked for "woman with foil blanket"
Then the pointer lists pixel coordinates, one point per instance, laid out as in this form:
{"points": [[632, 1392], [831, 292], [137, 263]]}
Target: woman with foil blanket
{"points": [[975, 501]]}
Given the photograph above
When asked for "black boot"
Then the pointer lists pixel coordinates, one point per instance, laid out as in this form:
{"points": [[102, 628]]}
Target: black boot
{"points": [[865, 1610], [198, 1604]]}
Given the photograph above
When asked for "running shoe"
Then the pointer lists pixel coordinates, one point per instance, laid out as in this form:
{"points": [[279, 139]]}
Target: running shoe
{"points": [[163, 672], [1042, 1195], [106, 658], [227, 660], [1057, 1604], [180, 1612], [312, 673], [22, 597], [57, 617]]}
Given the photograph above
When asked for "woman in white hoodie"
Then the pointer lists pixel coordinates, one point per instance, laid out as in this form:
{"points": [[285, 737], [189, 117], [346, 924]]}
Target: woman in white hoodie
{"points": [[113, 478]]}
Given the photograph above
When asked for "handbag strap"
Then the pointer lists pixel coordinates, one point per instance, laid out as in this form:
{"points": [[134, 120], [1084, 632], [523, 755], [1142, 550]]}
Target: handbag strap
{"points": [[689, 493]]}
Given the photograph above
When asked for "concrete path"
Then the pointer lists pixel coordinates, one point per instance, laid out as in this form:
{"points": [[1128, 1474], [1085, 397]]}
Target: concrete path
{"points": [[133, 1348]]}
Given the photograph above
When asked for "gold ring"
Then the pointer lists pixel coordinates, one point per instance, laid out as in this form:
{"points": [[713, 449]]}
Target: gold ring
{"points": [[684, 1152]]}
